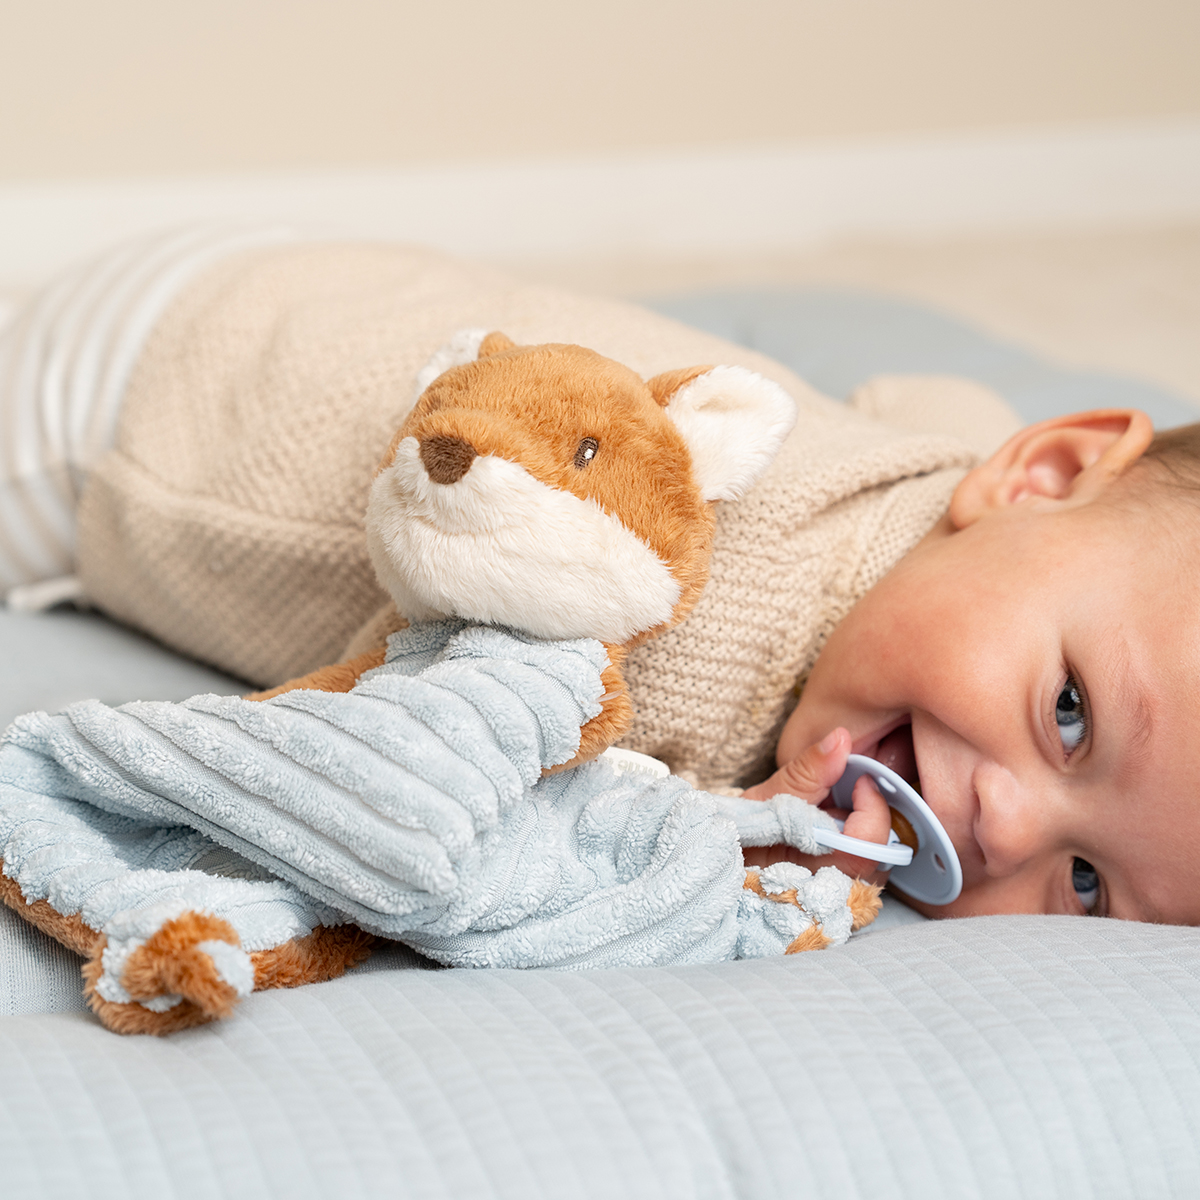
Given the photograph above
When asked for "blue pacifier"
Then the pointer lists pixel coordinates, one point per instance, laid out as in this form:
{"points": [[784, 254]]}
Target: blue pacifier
{"points": [[931, 873]]}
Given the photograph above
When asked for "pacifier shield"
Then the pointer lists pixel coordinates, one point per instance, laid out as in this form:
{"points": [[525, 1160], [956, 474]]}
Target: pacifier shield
{"points": [[935, 875]]}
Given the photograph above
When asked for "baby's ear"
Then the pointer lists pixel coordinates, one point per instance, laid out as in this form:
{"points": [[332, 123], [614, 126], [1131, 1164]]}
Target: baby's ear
{"points": [[733, 421], [1070, 459]]}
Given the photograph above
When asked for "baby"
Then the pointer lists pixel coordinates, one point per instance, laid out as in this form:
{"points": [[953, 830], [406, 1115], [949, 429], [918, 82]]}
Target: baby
{"points": [[995, 635], [1027, 668]]}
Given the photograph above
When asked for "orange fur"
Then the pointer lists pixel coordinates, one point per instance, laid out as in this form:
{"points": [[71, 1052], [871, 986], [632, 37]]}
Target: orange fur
{"points": [[864, 903], [169, 963], [68, 929], [133, 1018], [326, 953], [533, 405], [337, 677], [811, 939], [495, 343], [71, 932], [663, 387]]}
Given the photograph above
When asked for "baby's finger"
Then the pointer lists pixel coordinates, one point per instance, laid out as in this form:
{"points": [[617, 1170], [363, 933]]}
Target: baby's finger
{"points": [[809, 775], [871, 819]]}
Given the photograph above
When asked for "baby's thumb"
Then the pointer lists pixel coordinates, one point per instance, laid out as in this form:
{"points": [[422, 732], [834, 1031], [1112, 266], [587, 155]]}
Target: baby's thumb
{"points": [[809, 775]]}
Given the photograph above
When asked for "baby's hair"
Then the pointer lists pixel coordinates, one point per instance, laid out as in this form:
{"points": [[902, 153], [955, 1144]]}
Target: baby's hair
{"points": [[1172, 459]]}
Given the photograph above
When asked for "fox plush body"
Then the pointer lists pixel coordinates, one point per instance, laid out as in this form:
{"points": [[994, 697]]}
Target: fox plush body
{"points": [[544, 490]]}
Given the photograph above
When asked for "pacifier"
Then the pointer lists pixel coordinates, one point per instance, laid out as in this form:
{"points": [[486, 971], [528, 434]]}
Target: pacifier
{"points": [[919, 852]]}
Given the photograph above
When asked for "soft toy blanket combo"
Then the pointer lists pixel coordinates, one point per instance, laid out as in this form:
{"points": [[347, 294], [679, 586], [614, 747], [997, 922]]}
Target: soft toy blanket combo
{"points": [[540, 511], [412, 807]]}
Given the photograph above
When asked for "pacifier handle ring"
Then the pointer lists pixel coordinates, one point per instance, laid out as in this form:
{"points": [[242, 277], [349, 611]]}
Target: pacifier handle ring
{"points": [[896, 854]]}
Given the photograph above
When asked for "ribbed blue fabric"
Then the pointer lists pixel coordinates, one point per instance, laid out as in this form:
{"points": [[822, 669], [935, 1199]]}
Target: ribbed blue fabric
{"points": [[414, 805]]}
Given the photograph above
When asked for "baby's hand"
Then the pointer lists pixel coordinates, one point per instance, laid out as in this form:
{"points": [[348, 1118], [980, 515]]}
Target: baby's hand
{"points": [[810, 776]]}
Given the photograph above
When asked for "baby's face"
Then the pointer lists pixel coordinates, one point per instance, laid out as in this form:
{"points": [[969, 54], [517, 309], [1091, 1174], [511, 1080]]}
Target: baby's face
{"points": [[1037, 675]]}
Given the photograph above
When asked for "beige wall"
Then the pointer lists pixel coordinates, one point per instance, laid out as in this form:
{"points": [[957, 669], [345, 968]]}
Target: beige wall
{"points": [[122, 87]]}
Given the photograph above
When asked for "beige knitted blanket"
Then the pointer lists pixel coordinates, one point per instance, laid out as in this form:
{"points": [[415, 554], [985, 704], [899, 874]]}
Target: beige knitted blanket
{"points": [[228, 519]]}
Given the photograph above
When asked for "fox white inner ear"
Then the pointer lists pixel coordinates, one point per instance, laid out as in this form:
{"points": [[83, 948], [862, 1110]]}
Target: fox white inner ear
{"points": [[734, 422], [463, 347]]}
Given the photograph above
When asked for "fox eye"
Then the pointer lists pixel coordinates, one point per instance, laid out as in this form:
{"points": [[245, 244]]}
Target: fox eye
{"points": [[586, 452]]}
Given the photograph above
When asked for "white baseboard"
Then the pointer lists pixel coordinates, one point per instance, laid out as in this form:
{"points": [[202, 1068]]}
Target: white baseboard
{"points": [[710, 202]]}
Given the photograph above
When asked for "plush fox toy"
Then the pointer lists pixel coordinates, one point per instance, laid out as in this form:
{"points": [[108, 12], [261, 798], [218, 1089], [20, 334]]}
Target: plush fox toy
{"points": [[543, 488], [553, 490]]}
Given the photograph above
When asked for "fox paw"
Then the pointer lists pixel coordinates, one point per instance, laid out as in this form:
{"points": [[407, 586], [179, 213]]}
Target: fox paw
{"points": [[192, 970]]}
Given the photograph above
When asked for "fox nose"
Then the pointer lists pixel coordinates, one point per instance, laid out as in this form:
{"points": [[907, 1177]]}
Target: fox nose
{"points": [[447, 459]]}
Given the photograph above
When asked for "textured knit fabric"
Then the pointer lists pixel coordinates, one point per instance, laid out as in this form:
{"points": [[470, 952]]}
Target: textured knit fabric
{"points": [[228, 520], [413, 806], [845, 499]]}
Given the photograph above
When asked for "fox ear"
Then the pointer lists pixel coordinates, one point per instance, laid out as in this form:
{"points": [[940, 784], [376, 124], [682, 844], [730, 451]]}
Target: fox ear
{"points": [[495, 343], [733, 420]]}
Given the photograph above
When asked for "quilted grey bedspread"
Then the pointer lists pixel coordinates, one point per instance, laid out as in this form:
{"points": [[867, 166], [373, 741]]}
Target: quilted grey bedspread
{"points": [[993, 1057]]}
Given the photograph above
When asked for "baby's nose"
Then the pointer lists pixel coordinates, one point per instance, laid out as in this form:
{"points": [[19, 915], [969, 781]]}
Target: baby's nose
{"points": [[1015, 820], [447, 459]]}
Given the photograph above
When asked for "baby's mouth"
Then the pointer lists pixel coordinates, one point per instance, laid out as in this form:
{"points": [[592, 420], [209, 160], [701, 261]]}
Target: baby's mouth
{"points": [[895, 750]]}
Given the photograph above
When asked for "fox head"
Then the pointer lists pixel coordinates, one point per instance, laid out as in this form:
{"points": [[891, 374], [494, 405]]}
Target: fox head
{"points": [[555, 491]]}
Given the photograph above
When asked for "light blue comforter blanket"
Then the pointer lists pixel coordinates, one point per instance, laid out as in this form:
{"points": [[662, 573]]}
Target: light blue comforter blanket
{"points": [[414, 806]]}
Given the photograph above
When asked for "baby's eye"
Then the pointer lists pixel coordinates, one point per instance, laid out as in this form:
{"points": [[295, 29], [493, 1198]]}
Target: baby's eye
{"points": [[1087, 883], [1071, 716]]}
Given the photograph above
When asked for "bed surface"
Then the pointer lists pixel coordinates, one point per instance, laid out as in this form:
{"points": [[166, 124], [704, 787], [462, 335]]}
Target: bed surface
{"points": [[996, 1057]]}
